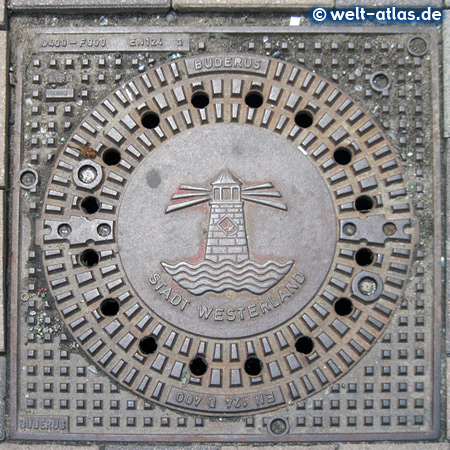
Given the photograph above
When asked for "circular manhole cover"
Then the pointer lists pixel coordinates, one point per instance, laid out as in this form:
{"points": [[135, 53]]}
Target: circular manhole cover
{"points": [[227, 234]]}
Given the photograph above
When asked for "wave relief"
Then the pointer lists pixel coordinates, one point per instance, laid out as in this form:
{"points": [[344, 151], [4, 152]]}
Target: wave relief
{"points": [[209, 276]]}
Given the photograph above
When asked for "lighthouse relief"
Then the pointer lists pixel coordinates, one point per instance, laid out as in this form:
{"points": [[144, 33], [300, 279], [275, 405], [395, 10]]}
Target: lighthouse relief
{"points": [[227, 263]]}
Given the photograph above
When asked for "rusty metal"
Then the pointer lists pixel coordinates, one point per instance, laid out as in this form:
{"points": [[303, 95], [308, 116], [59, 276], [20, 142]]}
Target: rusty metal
{"points": [[261, 143]]}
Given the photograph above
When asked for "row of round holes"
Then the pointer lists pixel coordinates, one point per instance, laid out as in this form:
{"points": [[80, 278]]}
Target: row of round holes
{"points": [[303, 119], [90, 257], [342, 155], [198, 365], [363, 204], [110, 307], [200, 100]]}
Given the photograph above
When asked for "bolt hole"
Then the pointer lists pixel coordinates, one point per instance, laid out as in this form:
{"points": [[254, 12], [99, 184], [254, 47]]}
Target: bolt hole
{"points": [[389, 229], [364, 204], [253, 366], [89, 258], [198, 366], [104, 230], [364, 257], [278, 426], [64, 230], [254, 99], [28, 179], [111, 157], [304, 345], [148, 345], [150, 120], [109, 307], [368, 286], [200, 100], [304, 119], [90, 205], [343, 156], [87, 174], [343, 306], [350, 229]]}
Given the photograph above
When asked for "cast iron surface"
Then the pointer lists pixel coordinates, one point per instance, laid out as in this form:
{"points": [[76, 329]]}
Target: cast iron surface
{"points": [[227, 235], [262, 308]]}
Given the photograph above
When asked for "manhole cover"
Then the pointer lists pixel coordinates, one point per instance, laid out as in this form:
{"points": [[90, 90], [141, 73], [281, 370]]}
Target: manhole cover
{"points": [[225, 235]]}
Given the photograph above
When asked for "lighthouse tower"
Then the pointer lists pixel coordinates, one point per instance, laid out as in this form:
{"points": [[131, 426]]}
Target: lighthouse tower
{"points": [[227, 238]]}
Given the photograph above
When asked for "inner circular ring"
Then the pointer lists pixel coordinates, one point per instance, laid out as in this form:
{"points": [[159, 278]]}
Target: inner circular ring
{"points": [[226, 231]]}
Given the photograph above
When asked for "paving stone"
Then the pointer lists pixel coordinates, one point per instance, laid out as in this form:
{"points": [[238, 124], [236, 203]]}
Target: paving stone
{"points": [[249, 4], [288, 447], [446, 71], [394, 446], [10, 446], [2, 13], [3, 103], [448, 396], [2, 396], [447, 262], [396, 3], [219, 447], [80, 5], [2, 280], [167, 446]]}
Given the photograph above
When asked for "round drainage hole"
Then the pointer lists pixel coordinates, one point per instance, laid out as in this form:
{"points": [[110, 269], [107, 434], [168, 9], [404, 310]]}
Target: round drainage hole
{"points": [[304, 119], [90, 205], [198, 366], [304, 345], [363, 204], [343, 306], [111, 157], [150, 120], [254, 99], [343, 156], [109, 307], [89, 258], [364, 257], [148, 345], [200, 100], [253, 366]]}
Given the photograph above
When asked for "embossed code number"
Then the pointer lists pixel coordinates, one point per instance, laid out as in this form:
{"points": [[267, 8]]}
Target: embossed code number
{"points": [[82, 43], [235, 402], [189, 399], [53, 43], [92, 43]]}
